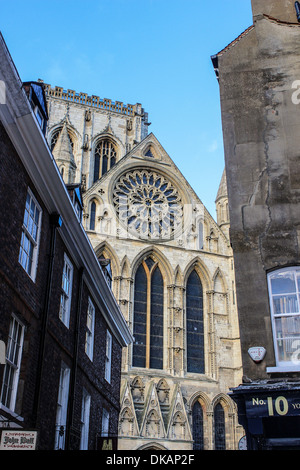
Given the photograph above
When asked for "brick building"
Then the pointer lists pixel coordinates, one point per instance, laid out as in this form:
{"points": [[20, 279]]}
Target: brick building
{"points": [[60, 325]]}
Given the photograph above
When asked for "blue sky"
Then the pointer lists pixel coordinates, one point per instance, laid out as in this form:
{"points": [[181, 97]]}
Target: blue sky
{"points": [[154, 52]]}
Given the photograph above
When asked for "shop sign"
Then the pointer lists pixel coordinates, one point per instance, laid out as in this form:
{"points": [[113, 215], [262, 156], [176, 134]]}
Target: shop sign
{"points": [[273, 405], [107, 443], [18, 440]]}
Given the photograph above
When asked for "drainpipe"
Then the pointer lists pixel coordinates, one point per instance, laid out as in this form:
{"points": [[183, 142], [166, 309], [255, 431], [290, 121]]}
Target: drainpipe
{"points": [[70, 414], [55, 222]]}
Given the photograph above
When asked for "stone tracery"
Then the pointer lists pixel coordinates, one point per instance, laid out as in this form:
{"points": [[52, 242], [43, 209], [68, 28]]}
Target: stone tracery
{"points": [[148, 203]]}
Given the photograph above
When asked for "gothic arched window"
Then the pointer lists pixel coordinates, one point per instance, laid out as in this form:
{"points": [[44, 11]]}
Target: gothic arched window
{"points": [[194, 324], [148, 316], [219, 425], [105, 158], [197, 417], [55, 136], [93, 216]]}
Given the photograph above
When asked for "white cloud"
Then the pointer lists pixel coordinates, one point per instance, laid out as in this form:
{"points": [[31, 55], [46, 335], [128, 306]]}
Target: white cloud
{"points": [[213, 147]]}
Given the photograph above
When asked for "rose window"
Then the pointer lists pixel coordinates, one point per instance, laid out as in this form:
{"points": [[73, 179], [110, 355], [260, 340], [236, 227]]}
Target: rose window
{"points": [[148, 204]]}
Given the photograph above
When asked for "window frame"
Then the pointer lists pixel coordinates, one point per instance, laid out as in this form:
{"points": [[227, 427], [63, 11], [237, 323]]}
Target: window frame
{"points": [[281, 364], [108, 356], [93, 213], [198, 426], [16, 342], [148, 322], [90, 329], [39, 116], [62, 406], [105, 423], [85, 420], [219, 422], [105, 157], [34, 242], [195, 323], [66, 297]]}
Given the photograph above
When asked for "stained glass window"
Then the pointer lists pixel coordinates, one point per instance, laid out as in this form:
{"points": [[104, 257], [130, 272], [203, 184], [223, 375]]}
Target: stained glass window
{"points": [[219, 422], [148, 316], [148, 204], [197, 417], [105, 158], [194, 319], [93, 216]]}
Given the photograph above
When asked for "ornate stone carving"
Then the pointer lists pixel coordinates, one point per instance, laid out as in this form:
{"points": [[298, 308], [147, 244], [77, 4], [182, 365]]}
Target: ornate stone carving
{"points": [[148, 204]]}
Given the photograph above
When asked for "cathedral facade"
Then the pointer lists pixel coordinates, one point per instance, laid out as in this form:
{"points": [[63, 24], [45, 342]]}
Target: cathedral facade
{"points": [[170, 267]]}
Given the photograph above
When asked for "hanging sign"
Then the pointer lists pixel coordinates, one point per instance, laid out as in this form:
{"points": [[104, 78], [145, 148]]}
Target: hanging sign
{"points": [[18, 440]]}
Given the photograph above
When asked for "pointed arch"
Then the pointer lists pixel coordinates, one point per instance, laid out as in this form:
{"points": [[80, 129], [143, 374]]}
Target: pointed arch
{"points": [[151, 272], [125, 267], [74, 135], [148, 319], [178, 277], [198, 426], [104, 250], [194, 324], [220, 298], [106, 152], [150, 151], [226, 402], [163, 391], [128, 424], [202, 397], [92, 210], [153, 424], [178, 425], [222, 423], [137, 389], [197, 282], [199, 405], [94, 196], [202, 271], [219, 427], [62, 170], [152, 446], [93, 213], [219, 283], [158, 257]]}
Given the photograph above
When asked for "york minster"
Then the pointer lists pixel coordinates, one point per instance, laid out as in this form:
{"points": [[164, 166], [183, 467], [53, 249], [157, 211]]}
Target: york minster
{"points": [[169, 265]]}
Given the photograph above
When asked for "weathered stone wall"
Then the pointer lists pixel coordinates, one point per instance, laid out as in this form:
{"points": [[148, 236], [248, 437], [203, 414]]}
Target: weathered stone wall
{"points": [[260, 112]]}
